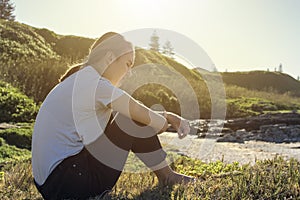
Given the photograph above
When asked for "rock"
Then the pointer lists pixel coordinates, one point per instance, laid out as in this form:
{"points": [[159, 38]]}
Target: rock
{"points": [[241, 133], [254, 123], [295, 132], [230, 138], [278, 128], [6, 126]]}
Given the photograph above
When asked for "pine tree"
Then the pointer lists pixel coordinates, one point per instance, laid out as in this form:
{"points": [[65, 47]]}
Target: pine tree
{"points": [[6, 10], [154, 42], [214, 68], [168, 50], [298, 78], [280, 68]]}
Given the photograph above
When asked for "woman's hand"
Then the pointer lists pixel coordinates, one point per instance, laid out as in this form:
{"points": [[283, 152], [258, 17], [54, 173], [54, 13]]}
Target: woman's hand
{"points": [[180, 124]]}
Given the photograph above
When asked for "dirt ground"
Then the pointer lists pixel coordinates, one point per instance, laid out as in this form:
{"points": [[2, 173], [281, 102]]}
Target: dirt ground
{"points": [[208, 150]]}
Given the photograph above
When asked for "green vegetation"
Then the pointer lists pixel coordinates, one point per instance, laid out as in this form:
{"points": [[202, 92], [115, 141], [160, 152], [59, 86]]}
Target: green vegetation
{"points": [[243, 107], [272, 82], [28, 54], [19, 137], [32, 60], [9, 153], [20, 42], [15, 143], [23, 43], [157, 79], [269, 179], [15, 106]]}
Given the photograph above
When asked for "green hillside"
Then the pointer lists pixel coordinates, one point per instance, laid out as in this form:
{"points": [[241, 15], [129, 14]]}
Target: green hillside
{"points": [[20, 42], [34, 59], [70, 46], [263, 80]]}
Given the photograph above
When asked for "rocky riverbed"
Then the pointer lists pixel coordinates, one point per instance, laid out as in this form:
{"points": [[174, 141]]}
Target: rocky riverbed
{"points": [[244, 140], [277, 127], [209, 150]]}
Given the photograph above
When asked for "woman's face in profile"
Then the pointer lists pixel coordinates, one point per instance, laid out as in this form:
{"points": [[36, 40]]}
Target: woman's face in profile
{"points": [[123, 64]]}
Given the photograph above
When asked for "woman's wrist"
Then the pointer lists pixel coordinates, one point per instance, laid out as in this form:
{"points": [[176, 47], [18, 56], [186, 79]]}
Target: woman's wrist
{"points": [[165, 114]]}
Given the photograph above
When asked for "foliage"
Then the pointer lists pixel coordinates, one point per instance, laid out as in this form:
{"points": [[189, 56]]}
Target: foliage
{"points": [[6, 10], [242, 107], [157, 79], [18, 182], [273, 82], [242, 102], [154, 42], [269, 179], [197, 168], [34, 59], [35, 79], [20, 42], [9, 153], [19, 137], [14, 105], [168, 50], [49, 36], [72, 47], [153, 94]]}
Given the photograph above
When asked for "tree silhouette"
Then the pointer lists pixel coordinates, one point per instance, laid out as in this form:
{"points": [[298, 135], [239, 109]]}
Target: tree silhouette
{"points": [[280, 68], [168, 50], [6, 10], [214, 68], [154, 42]]}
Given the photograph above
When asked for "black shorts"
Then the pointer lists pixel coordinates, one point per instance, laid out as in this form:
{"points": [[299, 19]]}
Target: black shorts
{"points": [[79, 177]]}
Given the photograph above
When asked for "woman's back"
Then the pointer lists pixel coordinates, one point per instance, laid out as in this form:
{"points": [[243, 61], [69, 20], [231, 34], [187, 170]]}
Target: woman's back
{"points": [[54, 137]]}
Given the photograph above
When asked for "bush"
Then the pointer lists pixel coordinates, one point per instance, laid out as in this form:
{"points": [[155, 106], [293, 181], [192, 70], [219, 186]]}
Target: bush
{"points": [[19, 137], [10, 153], [244, 107], [14, 105], [21, 42]]}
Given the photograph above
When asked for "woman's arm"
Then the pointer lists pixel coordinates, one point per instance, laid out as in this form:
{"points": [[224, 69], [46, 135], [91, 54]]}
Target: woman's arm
{"points": [[131, 108], [180, 124]]}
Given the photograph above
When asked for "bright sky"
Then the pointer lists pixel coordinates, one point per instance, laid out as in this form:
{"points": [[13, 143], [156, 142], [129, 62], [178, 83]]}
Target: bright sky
{"points": [[238, 35]]}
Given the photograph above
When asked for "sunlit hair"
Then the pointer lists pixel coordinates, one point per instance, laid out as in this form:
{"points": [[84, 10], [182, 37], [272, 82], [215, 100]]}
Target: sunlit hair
{"points": [[110, 41]]}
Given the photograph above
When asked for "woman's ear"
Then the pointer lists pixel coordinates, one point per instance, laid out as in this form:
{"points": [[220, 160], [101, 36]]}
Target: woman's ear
{"points": [[110, 57]]}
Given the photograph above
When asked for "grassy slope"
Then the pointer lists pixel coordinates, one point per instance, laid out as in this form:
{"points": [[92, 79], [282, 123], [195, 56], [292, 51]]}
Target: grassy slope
{"points": [[263, 80], [20, 42], [23, 41], [269, 179]]}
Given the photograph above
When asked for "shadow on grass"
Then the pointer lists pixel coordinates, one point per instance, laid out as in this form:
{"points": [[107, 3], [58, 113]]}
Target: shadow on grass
{"points": [[158, 192]]}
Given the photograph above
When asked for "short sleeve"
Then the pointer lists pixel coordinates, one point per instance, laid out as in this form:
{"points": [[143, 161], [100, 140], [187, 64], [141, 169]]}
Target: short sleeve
{"points": [[106, 92]]}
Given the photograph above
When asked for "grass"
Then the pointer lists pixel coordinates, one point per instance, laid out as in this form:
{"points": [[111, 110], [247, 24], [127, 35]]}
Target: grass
{"points": [[269, 179]]}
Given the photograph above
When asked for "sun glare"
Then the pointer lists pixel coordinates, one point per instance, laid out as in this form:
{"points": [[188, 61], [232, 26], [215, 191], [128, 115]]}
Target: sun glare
{"points": [[146, 8]]}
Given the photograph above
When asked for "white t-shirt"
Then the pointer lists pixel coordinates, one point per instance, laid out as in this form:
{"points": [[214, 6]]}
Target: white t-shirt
{"points": [[74, 114]]}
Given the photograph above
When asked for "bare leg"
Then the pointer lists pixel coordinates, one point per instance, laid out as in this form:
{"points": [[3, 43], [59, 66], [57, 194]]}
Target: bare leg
{"points": [[167, 176], [147, 147], [123, 135]]}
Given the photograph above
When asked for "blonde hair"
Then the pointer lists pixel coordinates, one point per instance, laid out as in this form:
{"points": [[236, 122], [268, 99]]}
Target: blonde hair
{"points": [[110, 41]]}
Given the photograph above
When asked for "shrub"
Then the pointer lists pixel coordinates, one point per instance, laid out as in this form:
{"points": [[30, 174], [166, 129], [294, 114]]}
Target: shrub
{"points": [[10, 153], [19, 137], [14, 105]]}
